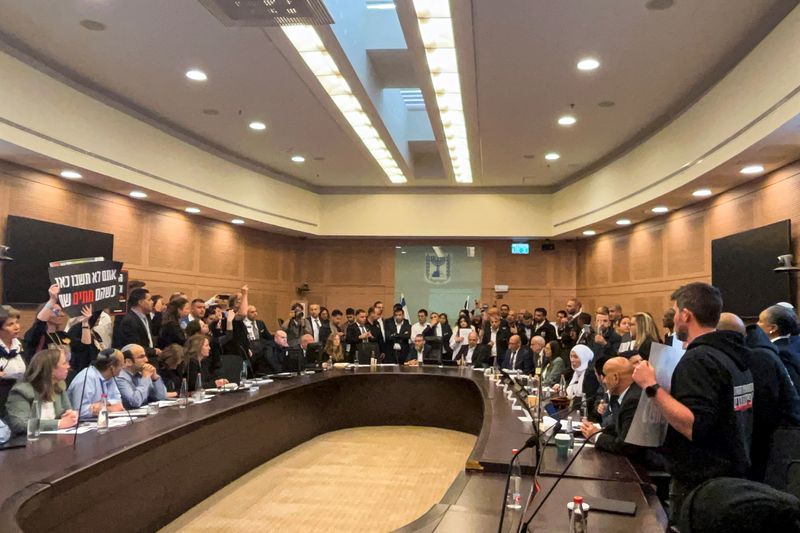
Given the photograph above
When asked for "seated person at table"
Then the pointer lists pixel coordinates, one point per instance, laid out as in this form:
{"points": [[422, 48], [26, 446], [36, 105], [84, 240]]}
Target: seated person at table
{"points": [[43, 381], [419, 352], [621, 409], [277, 353], [172, 366], [139, 383], [334, 350], [537, 344], [517, 357], [94, 381], [579, 358], [12, 362], [473, 353], [197, 350], [553, 366]]}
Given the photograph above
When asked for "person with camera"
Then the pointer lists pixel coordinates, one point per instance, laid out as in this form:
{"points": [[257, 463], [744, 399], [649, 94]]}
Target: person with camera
{"points": [[296, 326]]}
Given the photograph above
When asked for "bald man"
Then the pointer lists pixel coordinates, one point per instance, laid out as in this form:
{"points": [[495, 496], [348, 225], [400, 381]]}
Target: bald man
{"points": [[517, 357], [624, 399], [775, 399]]}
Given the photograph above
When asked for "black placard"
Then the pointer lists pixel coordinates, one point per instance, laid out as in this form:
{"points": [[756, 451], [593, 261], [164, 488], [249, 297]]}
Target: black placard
{"points": [[87, 281]]}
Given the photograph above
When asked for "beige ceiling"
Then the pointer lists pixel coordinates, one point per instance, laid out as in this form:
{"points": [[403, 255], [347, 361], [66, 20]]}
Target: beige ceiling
{"points": [[654, 64]]}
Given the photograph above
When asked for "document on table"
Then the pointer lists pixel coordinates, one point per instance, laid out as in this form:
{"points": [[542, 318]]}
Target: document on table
{"points": [[70, 431], [142, 411]]}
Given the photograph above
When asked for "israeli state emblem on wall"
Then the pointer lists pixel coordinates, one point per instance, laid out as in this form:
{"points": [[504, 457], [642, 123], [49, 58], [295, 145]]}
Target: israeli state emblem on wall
{"points": [[437, 269]]}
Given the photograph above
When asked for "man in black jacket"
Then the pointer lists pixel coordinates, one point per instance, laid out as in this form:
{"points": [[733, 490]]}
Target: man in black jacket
{"points": [[495, 336], [541, 326], [358, 333], [780, 325], [134, 327], [624, 395], [517, 357], [709, 408], [398, 335], [606, 336], [775, 402]]}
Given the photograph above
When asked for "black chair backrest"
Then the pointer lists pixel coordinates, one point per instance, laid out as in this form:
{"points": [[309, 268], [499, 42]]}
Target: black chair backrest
{"points": [[785, 449], [793, 479], [5, 388], [231, 368]]}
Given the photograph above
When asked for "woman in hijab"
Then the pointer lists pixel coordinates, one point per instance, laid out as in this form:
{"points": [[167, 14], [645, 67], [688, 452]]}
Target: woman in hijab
{"points": [[579, 359]]}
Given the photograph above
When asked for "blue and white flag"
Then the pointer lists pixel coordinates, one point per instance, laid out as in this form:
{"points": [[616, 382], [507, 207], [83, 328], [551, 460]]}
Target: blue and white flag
{"points": [[404, 306]]}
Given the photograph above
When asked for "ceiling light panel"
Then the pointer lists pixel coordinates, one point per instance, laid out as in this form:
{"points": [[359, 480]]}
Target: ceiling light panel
{"points": [[307, 42], [436, 30]]}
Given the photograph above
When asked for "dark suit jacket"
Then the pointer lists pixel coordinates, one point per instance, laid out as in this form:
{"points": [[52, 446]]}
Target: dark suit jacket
{"points": [[132, 331], [377, 335], [789, 354], [351, 337], [447, 333], [613, 438], [546, 330], [263, 332], [481, 357], [503, 334], [171, 333], [412, 353], [613, 340], [402, 338], [523, 362]]}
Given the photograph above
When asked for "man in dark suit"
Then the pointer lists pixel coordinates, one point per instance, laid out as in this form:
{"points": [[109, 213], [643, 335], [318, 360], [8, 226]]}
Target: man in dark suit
{"points": [[277, 352], [314, 326], [358, 333], [398, 335], [374, 324], [473, 353], [258, 337], [442, 331], [624, 400], [134, 327], [606, 336], [541, 326], [780, 325], [496, 336], [419, 352], [517, 357]]}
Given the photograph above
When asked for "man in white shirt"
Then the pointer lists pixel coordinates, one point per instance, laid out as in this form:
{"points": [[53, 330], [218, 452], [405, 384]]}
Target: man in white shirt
{"points": [[422, 323], [313, 323]]}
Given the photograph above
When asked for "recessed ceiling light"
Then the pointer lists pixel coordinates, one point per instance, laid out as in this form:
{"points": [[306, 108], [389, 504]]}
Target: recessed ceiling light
{"points": [[402, 251], [298, 159], [258, 126], [590, 232], [70, 174], [606, 103], [567, 120], [211, 111], [237, 221], [192, 210], [624, 222], [552, 156], [398, 247], [588, 63], [138, 194], [659, 5], [752, 169], [196, 75], [660, 209], [700, 193]]}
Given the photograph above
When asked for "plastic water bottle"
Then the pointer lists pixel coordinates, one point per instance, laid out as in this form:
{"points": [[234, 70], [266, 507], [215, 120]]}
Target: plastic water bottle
{"points": [[562, 386], [33, 421], [373, 361], [183, 396], [514, 496], [571, 433], [243, 376], [584, 407], [199, 394], [102, 415], [578, 513]]}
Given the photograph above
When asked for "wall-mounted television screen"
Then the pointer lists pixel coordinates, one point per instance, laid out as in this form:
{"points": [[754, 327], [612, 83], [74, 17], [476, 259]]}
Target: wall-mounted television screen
{"points": [[34, 244], [742, 267]]}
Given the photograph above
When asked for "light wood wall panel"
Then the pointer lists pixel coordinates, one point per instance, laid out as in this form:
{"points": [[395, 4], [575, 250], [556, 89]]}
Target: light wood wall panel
{"points": [[672, 250]]}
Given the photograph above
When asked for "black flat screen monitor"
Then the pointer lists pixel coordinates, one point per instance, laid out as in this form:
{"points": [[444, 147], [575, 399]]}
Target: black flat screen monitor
{"points": [[742, 267], [34, 244]]}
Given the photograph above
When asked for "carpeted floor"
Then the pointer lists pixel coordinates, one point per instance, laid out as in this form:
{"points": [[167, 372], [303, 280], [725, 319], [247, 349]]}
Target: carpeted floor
{"points": [[361, 479]]}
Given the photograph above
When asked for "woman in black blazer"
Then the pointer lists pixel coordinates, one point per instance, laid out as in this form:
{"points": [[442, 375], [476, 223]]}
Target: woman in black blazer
{"points": [[171, 331]]}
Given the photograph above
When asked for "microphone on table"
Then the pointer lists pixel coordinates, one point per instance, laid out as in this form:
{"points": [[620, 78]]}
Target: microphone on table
{"points": [[524, 527]]}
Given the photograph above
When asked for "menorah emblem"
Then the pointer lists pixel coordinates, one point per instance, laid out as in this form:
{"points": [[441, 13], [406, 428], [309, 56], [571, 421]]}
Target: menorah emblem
{"points": [[437, 269]]}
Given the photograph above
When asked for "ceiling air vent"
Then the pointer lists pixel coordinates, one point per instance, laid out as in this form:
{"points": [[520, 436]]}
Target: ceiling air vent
{"points": [[269, 12]]}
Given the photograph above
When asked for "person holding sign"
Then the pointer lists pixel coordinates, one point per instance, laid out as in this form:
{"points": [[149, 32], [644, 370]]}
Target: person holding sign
{"points": [[48, 328]]}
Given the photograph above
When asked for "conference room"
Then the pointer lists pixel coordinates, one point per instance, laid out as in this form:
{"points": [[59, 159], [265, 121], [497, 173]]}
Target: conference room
{"points": [[399, 265]]}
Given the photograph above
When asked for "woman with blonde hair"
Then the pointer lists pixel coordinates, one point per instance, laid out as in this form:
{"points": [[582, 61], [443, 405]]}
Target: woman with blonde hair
{"points": [[334, 349], [43, 382], [644, 333]]}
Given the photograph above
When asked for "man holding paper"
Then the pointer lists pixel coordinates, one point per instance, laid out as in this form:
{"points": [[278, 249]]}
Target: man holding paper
{"points": [[709, 408]]}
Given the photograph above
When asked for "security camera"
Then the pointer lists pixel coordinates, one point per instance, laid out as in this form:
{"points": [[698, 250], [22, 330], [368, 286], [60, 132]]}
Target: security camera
{"points": [[786, 264], [4, 253]]}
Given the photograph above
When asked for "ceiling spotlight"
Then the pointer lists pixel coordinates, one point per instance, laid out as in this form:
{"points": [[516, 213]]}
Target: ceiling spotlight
{"points": [[298, 159], [702, 193], [752, 169], [192, 210], [258, 126], [196, 75], [402, 251], [588, 63], [70, 174], [552, 156], [660, 209], [624, 222], [567, 120], [237, 221], [590, 232], [398, 247], [138, 194]]}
